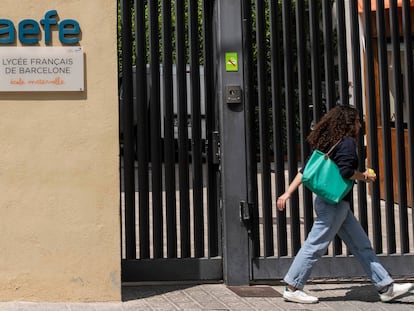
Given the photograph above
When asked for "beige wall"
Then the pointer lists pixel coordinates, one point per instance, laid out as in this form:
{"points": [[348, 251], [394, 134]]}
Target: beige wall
{"points": [[59, 202]]}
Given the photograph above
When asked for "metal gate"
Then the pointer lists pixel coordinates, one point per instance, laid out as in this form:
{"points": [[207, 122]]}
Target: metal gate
{"points": [[216, 101], [310, 56], [168, 129]]}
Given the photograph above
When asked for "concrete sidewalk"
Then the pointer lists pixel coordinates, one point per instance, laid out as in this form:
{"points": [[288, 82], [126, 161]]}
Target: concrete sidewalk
{"points": [[339, 296]]}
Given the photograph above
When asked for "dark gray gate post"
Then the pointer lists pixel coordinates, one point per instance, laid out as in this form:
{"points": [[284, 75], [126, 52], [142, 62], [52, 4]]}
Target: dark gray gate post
{"points": [[229, 60]]}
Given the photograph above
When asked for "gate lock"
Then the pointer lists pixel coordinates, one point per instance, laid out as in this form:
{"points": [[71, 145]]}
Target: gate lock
{"points": [[245, 214]]}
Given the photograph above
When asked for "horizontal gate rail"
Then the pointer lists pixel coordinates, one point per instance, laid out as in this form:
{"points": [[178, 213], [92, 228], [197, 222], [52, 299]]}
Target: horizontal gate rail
{"points": [[265, 269], [168, 269]]}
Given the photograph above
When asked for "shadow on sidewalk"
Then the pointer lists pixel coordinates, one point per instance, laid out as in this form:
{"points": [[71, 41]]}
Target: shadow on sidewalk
{"points": [[364, 293], [146, 291]]}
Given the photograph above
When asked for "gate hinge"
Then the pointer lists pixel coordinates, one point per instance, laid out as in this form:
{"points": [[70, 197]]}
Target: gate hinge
{"points": [[215, 147], [246, 214]]}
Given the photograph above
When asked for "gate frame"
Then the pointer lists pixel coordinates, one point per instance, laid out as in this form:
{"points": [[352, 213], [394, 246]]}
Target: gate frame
{"points": [[236, 260]]}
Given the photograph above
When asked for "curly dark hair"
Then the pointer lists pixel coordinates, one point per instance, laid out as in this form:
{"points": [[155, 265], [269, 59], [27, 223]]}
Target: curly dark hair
{"points": [[336, 124]]}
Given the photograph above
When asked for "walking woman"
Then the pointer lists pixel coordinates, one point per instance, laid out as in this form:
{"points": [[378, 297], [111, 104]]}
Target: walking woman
{"points": [[339, 124]]}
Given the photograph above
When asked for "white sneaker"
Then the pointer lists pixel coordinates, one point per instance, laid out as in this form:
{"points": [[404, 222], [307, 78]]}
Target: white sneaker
{"points": [[395, 291], [299, 296]]}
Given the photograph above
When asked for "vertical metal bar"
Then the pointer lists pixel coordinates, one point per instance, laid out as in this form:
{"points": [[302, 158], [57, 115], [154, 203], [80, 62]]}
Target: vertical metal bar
{"points": [[250, 113], [372, 124], [198, 211], [128, 135], [343, 76], [330, 96], [264, 129], [142, 115], [169, 158], [386, 127], [399, 127], [357, 100], [155, 111], [315, 60], [342, 50], [211, 127], [409, 92], [304, 105], [277, 105], [182, 129], [291, 121]]}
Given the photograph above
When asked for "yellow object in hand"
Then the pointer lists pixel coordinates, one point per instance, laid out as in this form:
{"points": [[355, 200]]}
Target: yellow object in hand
{"points": [[371, 171]]}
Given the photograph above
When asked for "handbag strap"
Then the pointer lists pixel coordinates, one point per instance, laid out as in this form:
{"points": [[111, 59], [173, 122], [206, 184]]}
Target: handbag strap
{"points": [[332, 148]]}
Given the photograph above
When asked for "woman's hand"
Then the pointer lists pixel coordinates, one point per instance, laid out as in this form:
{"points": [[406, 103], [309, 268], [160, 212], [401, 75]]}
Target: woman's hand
{"points": [[281, 201], [369, 175]]}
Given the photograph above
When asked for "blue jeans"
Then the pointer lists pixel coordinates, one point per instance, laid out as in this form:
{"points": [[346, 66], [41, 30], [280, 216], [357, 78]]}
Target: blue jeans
{"points": [[335, 219]]}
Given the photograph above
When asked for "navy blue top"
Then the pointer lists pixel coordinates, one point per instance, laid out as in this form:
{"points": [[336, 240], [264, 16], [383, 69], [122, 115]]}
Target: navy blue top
{"points": [[345, 156]]}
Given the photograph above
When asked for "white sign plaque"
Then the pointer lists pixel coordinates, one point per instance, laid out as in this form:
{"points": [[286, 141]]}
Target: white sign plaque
{"points": [[31, 69]]}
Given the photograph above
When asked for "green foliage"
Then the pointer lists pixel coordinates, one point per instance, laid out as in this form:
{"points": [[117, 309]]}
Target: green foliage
{"points": [[161, 19]]}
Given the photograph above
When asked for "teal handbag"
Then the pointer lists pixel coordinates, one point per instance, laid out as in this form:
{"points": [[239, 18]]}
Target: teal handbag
{"points": [[321, 175]]}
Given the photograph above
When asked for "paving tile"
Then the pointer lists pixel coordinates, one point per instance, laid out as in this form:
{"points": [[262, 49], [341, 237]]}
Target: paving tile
{"points": [[187, 305], [214, 306], [136, 307], [34, 306], [109, 306], [81, 306], [8, 306]]}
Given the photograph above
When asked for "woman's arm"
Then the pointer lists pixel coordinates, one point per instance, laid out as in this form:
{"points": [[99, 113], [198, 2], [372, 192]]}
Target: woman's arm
{"points": [[296, 182]]}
